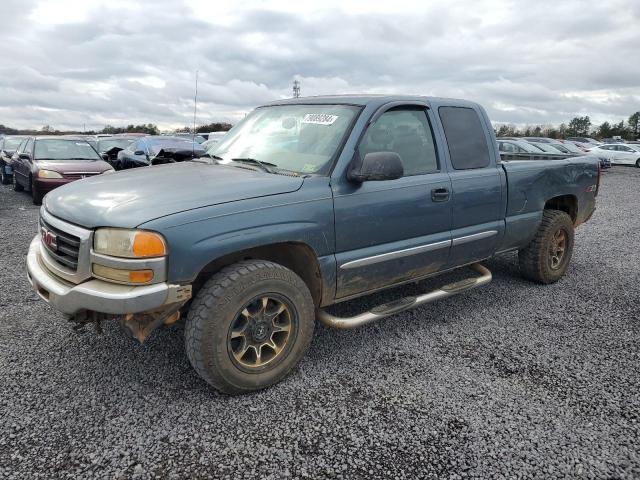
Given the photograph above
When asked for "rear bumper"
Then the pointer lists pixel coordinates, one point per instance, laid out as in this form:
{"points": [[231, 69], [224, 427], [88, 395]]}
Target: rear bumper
{"points": [[96, 295]]}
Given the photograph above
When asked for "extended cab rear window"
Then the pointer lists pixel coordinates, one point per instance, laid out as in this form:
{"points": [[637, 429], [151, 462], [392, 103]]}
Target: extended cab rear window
{"points": [[465, 137]]}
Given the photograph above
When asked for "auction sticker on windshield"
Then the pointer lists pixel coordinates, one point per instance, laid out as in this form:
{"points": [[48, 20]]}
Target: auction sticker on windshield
{"points": [[319, 118]]}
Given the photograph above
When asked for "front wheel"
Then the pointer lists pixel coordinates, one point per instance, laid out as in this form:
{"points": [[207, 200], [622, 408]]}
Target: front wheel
{"points": [[4, 178], [546, 258], [36, 195], [249, 326], [16, 186]]}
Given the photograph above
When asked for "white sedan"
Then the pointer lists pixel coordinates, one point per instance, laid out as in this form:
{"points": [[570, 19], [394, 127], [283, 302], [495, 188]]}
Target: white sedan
{"points": [[619, 153]]}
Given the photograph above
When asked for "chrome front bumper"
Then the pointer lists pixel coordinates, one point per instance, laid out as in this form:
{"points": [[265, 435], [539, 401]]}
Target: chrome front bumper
{"points": [[97, 295]]}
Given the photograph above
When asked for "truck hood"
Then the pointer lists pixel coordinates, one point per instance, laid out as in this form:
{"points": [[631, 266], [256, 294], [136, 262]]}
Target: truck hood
{"points": [[131, 197]]}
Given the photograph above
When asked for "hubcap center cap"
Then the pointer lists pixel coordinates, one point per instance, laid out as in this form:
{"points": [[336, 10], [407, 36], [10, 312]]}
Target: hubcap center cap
{"points": [[260, 331]]}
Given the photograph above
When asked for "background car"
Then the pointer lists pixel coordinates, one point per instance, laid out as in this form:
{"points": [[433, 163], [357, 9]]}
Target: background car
{"points": [[8, 146], [191, 136], [619, 153], [213, 138], [547, 148], [143, 151], [583, 147], [516, 146], [569, 146], [108, 147], [549, 145], [41, 164], [589, 140]]}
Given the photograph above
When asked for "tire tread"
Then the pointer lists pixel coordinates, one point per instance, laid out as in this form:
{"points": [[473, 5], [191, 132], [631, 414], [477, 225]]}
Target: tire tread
{"points": [[213, 292], [531, 258]]}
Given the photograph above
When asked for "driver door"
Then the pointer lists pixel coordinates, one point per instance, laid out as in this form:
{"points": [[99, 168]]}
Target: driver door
{"points": [[393, 231]]}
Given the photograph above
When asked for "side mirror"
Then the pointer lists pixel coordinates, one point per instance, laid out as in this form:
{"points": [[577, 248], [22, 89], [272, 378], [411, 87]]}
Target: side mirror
{"points": [[24, 156], [104, 156], [139, 152], [376, 166]]}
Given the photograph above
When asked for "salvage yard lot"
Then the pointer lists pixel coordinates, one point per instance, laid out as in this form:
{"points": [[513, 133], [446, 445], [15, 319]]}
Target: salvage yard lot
{"points": [[513, 379]]}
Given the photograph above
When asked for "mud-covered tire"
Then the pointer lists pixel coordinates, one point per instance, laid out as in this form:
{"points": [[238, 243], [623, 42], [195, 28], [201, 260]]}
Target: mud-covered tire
{"points": [[217, 306], [537, 261]]}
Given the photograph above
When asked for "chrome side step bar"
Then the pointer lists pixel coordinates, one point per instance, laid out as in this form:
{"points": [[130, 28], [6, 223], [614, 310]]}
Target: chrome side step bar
{"points": [[407, 303]]}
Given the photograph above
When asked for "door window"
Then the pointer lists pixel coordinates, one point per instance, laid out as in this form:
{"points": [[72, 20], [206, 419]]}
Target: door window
{"points": [[466, 138], [408, 133]]}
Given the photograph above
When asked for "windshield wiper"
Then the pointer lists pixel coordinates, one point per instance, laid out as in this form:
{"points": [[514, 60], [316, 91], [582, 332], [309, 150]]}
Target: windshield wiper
{"points": [[265, 166]]}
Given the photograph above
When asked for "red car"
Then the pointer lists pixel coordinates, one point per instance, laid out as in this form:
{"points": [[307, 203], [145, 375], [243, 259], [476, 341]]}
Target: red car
{"points": [[41, 164]]}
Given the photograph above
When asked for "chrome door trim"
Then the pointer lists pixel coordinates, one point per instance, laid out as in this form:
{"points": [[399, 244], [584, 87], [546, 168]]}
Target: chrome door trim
{"points": [[383, 257], [474, 237]]}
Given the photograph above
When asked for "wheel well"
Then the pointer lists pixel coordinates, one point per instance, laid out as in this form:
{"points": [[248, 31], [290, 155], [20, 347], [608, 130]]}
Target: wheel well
{"points": [[297, 257], [565, 203]]}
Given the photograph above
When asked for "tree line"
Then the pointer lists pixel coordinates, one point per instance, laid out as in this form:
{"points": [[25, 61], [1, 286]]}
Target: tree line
{"points": [[148, 128], [577, 127]]}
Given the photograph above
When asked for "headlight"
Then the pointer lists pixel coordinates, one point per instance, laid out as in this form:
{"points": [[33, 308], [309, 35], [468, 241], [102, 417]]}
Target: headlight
{"points": [[111, 170], [129, 243], [48, 174]]}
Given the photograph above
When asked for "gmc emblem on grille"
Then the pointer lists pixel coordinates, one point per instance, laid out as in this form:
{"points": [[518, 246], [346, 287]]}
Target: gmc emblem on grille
{"points": [[49, 239]]}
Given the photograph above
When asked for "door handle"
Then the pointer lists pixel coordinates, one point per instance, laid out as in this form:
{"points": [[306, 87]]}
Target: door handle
{"points": [[440, 194]]}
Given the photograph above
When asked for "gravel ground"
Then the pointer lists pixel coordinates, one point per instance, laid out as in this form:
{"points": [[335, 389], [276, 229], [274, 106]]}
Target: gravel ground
{"points": [[514, 380]]}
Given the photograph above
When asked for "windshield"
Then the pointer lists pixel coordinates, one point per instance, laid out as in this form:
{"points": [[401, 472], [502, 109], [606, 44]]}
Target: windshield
{"points": [[106, 145], [59, 149], [559, 146], [300, 138], [547, 148], [527, 147], [12, 143], [571, 147]]}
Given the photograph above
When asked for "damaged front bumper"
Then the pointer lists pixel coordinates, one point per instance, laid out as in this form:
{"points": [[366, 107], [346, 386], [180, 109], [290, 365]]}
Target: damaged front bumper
{"points": [[98, 296]]}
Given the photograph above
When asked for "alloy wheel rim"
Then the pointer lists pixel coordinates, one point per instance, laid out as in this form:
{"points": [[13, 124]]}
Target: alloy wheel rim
{"points": [[557, 249], [260, 332]]}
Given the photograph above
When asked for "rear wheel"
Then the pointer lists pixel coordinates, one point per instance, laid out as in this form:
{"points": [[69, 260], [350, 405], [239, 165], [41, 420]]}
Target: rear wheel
{"points": [[638, 163], [249, 326], [546, 258]]}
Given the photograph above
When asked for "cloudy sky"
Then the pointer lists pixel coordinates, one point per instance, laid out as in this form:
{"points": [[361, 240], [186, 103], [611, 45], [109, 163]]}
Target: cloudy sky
{"points": [[72, 62]]}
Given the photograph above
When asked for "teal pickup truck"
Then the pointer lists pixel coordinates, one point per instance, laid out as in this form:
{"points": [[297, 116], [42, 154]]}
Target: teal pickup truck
{"points": [[303, 204]]}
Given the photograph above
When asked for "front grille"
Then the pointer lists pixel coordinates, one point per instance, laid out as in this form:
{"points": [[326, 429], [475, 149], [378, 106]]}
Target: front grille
{"points": [[78, 176], [67, 247]]}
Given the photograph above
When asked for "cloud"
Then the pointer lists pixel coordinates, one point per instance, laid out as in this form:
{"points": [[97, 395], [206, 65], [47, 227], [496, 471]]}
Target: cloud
{"points": [[73, 62]]}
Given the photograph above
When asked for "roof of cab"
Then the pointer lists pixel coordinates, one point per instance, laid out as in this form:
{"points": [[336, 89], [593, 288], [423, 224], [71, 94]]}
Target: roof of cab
{"points": [[370, 99]]}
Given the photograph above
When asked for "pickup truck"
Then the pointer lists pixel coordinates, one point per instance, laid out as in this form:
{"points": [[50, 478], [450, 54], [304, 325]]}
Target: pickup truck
{"points": [[305, 203]]}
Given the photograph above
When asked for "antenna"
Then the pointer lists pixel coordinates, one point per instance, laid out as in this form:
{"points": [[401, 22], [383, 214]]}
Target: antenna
{"points": [[296, 89], [195, 109]]}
